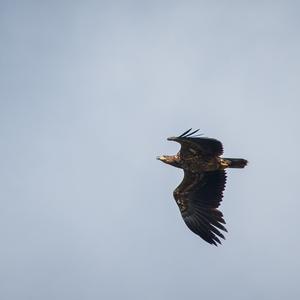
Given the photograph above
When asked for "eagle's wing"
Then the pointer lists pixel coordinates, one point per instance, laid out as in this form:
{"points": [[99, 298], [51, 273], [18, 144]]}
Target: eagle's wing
{"points": [[191, 145], [198, 196]]}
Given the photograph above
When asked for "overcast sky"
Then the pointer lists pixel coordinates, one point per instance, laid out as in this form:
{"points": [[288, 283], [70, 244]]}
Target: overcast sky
{"points": [[89, 92]]}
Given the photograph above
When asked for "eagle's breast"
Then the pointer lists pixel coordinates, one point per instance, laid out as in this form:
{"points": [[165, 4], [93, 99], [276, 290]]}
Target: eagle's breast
{"points": [[199, 164]]}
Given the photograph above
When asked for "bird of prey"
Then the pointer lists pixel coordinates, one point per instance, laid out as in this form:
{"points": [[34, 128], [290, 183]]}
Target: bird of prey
{"points": [[199, 194]]}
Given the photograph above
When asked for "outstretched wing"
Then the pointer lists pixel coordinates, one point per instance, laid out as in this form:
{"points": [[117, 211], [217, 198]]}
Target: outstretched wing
{"points": [[198, 197], [194, 145]]}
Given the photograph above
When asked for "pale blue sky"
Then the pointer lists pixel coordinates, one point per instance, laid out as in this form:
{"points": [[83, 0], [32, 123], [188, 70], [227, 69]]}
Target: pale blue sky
{"points": [[89, 92]]}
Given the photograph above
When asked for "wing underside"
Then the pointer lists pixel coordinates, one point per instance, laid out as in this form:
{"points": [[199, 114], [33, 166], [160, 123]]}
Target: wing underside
{"points": [[198, 197], [201, 145]]}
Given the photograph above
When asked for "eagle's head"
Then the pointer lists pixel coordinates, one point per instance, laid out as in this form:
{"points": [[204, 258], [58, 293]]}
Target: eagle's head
{"points": [[172, 160]]}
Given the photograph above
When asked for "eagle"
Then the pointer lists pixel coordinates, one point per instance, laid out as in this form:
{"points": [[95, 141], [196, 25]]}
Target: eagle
{"points": [[200, 193]]}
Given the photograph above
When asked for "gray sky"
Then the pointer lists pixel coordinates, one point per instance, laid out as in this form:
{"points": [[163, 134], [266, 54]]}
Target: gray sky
{"points": [[89, 92]]}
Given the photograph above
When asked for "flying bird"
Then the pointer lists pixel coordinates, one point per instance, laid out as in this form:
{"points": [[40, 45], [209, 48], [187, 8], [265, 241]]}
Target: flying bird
{"points": [[200, 193]]}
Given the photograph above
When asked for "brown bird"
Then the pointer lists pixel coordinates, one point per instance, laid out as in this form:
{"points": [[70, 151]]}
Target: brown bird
{"points": [[199, 194]]}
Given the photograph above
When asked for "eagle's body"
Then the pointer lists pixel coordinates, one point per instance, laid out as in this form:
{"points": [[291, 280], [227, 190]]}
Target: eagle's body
{"points": [[200, 193]]}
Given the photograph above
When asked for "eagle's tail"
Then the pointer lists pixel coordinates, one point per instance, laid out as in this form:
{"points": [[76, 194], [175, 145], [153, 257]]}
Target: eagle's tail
{"points": [[235, 162]]}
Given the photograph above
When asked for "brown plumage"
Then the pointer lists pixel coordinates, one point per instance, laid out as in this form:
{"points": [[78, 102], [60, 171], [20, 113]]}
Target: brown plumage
{"points": [[200, 193]]}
